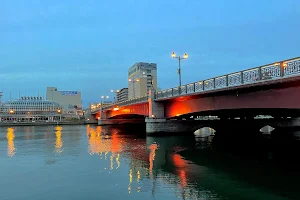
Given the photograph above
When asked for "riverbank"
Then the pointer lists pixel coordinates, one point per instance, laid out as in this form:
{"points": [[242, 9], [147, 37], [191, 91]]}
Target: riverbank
{"points": [[6, 124]]}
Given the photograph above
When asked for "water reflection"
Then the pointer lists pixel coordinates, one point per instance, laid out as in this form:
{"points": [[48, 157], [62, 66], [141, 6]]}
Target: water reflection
{"points": [[100, 143], [11, 150], [153, 148], [58, 141], [138, 167]]}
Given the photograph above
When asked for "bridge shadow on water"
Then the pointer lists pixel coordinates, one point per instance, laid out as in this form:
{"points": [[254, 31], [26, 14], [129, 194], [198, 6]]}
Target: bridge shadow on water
{"points": [[266, 162], [227, 165]]}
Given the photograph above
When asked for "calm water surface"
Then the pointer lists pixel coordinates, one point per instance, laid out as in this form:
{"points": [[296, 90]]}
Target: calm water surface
{"points": [[90, 162]]}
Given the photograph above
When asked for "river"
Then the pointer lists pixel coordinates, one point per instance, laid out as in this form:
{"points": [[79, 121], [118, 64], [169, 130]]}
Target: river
{"points": [[92, 162]]}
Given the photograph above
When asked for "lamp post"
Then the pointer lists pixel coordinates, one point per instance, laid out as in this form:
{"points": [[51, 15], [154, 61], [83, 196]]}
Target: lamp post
{"points": [[116, 92], [103, 97], [59, 112], [185, 56], [133, 81]]}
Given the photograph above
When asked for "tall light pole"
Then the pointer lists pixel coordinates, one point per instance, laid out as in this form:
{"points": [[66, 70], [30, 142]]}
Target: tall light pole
{"points": [[116, 92], [133, 81], [185, 56], [103, 97]]}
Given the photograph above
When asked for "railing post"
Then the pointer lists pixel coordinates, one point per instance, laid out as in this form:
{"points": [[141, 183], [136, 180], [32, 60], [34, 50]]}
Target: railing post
{"points": [[203, 86], [194, 90], [226, 78], [242, 77], [214, 81], [172, 93], [259, 74], [281, 65]]}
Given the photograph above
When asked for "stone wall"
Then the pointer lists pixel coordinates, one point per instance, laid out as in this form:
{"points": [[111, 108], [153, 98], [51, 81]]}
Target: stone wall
{"points": [[163, 126], [171, 127]]}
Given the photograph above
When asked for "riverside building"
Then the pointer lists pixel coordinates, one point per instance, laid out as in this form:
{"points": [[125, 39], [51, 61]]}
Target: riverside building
{"points": [[69, 100], [30, 109]]}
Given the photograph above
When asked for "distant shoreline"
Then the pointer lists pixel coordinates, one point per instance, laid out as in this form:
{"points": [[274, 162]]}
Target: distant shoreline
{"points": [[5, 124]]}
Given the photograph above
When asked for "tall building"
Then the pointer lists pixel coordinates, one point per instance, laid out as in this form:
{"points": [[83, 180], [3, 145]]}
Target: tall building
{"points": [[141, 77], [122, 95], [69, 100]]}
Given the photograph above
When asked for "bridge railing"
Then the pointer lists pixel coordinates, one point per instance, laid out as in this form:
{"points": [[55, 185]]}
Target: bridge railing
{"points": [[279, 70], [127, 102]]}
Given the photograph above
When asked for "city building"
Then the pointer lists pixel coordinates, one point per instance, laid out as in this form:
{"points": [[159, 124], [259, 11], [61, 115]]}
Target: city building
{"points": [[30, 109], [69, 100], [122, 95], [141, 77]]}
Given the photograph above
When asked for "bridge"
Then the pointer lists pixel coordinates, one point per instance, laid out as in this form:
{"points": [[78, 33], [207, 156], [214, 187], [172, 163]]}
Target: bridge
{"points": [[270, 90]]}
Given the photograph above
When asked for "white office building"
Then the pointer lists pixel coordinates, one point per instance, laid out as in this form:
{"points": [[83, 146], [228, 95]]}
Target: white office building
{"points": [[141, 77], [69, 100]]}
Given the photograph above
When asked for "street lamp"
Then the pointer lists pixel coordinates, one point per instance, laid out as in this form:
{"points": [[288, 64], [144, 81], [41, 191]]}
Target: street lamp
{"points": [[133, 81], [59, 112], [116, 92], [185, 56], [103, 97]]}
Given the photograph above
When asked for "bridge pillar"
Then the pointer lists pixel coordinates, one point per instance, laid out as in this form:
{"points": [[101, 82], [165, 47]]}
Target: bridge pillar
{"points": [[102, 118], [156, 117], [156, 109]]}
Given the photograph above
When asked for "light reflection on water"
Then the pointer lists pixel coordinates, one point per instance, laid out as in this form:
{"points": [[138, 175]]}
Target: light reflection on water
{"points": [[11, 150], [101, 162], [58, 142]]}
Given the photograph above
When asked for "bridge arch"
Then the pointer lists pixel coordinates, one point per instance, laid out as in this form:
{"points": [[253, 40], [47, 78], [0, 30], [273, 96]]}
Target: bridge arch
{"points": [[127, 116], [130, 110], [204, 131], [266, 129]]}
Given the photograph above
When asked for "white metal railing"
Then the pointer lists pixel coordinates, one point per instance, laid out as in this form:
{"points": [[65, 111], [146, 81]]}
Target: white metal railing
{"points": [[279, 70]]}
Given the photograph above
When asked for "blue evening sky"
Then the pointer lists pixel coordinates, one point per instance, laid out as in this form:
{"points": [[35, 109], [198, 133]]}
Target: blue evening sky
{"points": [[88, 45]]}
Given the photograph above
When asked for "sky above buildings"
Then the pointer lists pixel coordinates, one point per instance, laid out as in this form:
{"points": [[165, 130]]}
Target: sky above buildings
{"points": [[89, 45]]}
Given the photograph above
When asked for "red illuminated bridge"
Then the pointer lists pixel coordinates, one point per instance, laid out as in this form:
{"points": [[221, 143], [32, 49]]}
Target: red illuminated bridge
{"points": [[272, 89]]}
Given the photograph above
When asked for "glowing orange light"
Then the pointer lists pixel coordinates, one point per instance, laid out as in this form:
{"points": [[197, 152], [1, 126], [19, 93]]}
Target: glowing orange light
{"points": [[180, 164], [58, 142], [153, 148], [11, 150], [115, 109], [173, 55]]}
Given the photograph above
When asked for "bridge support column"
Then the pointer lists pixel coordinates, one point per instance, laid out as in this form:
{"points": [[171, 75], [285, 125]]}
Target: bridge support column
{"points": [[171, 127], [156, 109], [102, 118], [156, 116]]}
